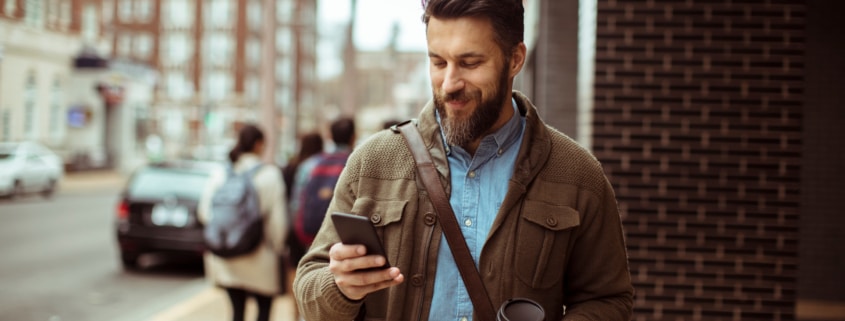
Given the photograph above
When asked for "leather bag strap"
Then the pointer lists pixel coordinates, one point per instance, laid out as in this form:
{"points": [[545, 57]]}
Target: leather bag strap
{"points": [[451, 228]]}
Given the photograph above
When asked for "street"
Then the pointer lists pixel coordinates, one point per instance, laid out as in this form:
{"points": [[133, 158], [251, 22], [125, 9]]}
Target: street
{"points": [[59, 262]]}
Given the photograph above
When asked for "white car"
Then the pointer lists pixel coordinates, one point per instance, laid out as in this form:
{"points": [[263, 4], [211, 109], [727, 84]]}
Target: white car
{"points": [[27, 167]]}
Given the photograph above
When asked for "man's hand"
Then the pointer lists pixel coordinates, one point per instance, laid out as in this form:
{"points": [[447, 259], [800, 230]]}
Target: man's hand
{"points": [[345, 261]]}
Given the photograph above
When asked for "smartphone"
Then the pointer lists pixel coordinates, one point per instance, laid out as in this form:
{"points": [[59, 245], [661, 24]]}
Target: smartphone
{"points": [[354, 229]]}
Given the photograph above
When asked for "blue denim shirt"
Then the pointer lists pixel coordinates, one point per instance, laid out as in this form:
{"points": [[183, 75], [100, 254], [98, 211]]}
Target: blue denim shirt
{"points": [[479, 185]]}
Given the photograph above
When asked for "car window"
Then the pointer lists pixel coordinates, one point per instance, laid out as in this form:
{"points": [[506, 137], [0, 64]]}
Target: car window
{"points": [[159, 182]]}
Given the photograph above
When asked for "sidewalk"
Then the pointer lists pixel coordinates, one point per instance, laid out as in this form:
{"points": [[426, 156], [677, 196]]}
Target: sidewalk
{"points": [[212, 304]]}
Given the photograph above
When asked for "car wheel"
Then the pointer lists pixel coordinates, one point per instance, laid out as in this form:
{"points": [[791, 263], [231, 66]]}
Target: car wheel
{"points": [[18, 190], [49, 189], [129, 261]]}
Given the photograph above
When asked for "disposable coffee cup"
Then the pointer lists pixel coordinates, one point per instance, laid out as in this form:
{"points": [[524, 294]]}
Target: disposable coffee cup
{"points": [[520, 309]]}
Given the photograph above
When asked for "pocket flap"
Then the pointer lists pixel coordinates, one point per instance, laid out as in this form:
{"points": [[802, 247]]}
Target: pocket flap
{"points": [[380, 212], [550, 216]]}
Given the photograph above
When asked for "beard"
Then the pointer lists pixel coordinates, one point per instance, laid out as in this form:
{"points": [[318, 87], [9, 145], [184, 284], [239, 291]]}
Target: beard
{"points": [[462, 129]]}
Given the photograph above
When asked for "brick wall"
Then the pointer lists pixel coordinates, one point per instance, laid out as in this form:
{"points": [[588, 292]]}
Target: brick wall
{"points": [[697, 120]]}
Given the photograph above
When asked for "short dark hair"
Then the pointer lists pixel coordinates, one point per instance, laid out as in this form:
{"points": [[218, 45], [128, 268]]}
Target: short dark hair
{"points": [[343, 131], [506, 16]]}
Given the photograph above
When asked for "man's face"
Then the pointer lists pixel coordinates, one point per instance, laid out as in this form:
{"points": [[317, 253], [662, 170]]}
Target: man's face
{"points": [[470, 78]]}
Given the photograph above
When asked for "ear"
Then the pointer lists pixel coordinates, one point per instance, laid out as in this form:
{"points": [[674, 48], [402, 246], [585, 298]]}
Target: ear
{"points": [[517, 59]]}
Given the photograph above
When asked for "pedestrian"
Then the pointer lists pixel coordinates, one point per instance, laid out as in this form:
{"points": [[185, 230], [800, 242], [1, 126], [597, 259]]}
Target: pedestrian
{"points": [[255, 274], [537, 213], [310, 145], [315, 186]]}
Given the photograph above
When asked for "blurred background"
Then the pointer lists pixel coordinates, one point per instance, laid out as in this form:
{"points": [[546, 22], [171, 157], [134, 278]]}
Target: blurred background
{"points": [[716, 120]]}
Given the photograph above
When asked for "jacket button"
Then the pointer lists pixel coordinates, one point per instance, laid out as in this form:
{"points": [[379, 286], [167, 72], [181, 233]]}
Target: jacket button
{"points": [[430, 219], [551, 221], [417, 280], [375, 218]]}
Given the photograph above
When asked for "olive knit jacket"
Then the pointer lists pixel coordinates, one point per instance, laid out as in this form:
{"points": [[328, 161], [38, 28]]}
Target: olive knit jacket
{"points": [[557, 238]]}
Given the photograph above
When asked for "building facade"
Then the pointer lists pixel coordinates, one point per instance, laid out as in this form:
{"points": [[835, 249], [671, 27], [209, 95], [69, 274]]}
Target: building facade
{"points": [[39, 41], [210, 58]]}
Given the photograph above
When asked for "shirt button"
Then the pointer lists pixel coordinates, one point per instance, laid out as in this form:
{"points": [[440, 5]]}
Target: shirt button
{"points": [[472, 174], [464, 319], [500, 151], [468, 222]]}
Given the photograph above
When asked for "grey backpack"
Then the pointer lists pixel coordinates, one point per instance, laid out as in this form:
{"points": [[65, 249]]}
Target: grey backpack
{"points": [[236, 226]]}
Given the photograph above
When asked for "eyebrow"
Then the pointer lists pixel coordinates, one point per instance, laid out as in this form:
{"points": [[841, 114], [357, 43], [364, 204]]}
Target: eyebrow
{"points": [[461, 56]]}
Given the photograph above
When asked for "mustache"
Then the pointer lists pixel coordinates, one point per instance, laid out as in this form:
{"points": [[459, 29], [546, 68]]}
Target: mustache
{"points": [[458, 95]]}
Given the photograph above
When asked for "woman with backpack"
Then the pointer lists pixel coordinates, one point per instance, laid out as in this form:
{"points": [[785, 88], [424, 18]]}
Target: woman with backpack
{"points": [[254, 273]]}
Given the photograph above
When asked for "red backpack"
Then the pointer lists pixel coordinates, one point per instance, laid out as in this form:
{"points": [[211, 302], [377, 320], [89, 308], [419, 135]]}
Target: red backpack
{"points": [[317, 194]]}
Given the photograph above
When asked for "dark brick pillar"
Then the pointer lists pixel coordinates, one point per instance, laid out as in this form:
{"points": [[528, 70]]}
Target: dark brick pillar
{"points": [[821, 276], [556, 65], [698, 122]]}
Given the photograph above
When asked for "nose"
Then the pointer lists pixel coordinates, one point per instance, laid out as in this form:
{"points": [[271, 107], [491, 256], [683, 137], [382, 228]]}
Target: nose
{"points": [[452, 80]]}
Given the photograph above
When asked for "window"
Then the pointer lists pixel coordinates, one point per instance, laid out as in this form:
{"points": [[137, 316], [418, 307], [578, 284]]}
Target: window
{"points": [[218, 48], [53, 13], [64, 15], [124, 10], [34, 13], [6, 120], [179, 14], [108, 11], [56, 125], [143, 45], [179, 86], [176, 48], [124, 45], [144, 10], [253, 52], [284, 70], [90, 23], [30, 97], [284, 11], [217, 85], [218, 13], [283, 96], [11, 7], [254, 15], [252, 88], [284, 40]]}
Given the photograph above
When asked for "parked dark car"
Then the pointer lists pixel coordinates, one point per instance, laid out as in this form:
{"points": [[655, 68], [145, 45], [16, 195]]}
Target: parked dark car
{"points": [[157, 211]]}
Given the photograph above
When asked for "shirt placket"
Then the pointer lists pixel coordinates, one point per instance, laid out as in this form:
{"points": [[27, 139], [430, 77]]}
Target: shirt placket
{"points": [[468, 228]]}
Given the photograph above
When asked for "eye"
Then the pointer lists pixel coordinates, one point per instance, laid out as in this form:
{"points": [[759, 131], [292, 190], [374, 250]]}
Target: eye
{"points": [[438, 63], [470, 64]]}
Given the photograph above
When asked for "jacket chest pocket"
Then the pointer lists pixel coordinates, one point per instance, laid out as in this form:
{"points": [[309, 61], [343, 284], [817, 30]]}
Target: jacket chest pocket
{"points": [[542, 240], [385, 215]]}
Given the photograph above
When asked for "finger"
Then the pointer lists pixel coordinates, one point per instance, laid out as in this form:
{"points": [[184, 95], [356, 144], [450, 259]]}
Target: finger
{"points": [[340, 251], [357, 285]]}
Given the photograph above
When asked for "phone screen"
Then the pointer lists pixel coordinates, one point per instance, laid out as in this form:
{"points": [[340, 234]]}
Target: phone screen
{"points": [[355, 229]]}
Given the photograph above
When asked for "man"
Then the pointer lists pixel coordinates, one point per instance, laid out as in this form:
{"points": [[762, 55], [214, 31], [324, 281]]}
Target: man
{"points": [[538, 214], [316, 179]]}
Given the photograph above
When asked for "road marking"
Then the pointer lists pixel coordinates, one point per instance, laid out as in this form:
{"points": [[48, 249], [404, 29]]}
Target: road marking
{"points": [[189, 307]]}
